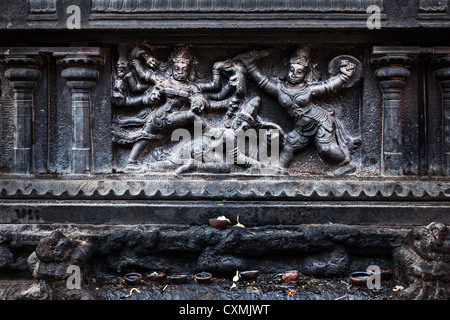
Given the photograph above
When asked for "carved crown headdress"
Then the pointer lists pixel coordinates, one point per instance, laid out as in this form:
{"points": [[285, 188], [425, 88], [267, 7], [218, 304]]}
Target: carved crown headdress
{"points": [[301, 57], [182, 54]]}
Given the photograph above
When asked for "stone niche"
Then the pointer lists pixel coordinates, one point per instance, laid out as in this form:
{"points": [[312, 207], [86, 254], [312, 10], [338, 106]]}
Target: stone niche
{"points": [[328, 140]]}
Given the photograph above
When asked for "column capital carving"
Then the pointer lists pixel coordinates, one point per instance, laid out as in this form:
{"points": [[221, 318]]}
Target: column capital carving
{"points": [[392, 73], [441, 60], [390, 59], [80, 69], [443, 76], [21, 69], [79, 60], [21, 60], [80, 77]]}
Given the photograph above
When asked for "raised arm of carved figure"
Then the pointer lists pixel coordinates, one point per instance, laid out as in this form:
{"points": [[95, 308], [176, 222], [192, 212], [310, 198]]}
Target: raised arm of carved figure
{"points": [[150, 97], [215, 82], [346, 72], [263, 82], [135, 85], [145, 71]]}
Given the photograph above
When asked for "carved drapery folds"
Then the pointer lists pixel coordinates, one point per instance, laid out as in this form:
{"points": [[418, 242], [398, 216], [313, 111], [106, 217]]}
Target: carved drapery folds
{"points": [[23, 71], [80, 72]]}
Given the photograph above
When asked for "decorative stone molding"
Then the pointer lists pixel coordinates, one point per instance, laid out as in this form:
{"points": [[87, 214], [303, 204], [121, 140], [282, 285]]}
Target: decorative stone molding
{"points": [[156, 14], [80, 72], [23, 71], [124, 6], [160, 186], [42, 10], [433, 6]]}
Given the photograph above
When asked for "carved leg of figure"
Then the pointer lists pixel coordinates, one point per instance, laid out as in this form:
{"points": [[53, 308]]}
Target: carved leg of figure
{"points": [[161, 165], [328, 148], [295, 142], [330, 152], [286, 155], [138, 149], [197, 166], [183, 118]]}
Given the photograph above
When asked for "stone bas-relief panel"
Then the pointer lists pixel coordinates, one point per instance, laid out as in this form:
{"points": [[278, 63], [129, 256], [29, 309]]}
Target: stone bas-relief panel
{"points": [[215, 110]]}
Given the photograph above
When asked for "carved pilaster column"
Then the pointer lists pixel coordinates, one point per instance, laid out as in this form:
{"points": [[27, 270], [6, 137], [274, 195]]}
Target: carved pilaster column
{"points": [[392, 75], [23, 72], [392, 81], [443, 76], [81, 74]]}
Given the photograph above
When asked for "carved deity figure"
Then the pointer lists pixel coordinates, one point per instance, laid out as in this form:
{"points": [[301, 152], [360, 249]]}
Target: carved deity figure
{"points": [[312, 123], [178, 90]]}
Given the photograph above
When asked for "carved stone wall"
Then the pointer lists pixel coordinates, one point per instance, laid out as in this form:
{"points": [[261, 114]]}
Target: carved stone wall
{"points": [[90, 114]]}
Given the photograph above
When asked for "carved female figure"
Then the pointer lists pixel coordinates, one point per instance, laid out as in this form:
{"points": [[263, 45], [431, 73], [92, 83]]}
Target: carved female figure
{"points": [[296, 95]]}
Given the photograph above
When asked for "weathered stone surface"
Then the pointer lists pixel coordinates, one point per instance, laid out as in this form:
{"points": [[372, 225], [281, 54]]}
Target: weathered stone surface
{"points": [[54, 254], [424, 262], [6, 257]]}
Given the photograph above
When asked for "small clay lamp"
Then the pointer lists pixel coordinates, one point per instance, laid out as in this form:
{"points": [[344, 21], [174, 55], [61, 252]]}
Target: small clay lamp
{"points": [[360, 278], [203, 277], [156, 276], [290, 276], [133, 279], [219, 222]]}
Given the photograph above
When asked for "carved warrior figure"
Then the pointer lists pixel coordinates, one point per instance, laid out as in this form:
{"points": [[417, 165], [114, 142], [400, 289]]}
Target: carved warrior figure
{"points": [[296, 96], [178, 91]]}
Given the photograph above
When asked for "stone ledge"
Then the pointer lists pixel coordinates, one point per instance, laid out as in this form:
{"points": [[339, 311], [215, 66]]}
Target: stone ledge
{"points": [[236, 187]]}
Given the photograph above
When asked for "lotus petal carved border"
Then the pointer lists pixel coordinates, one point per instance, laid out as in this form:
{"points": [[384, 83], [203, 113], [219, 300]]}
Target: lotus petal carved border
{"points": [[234, 188]]}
